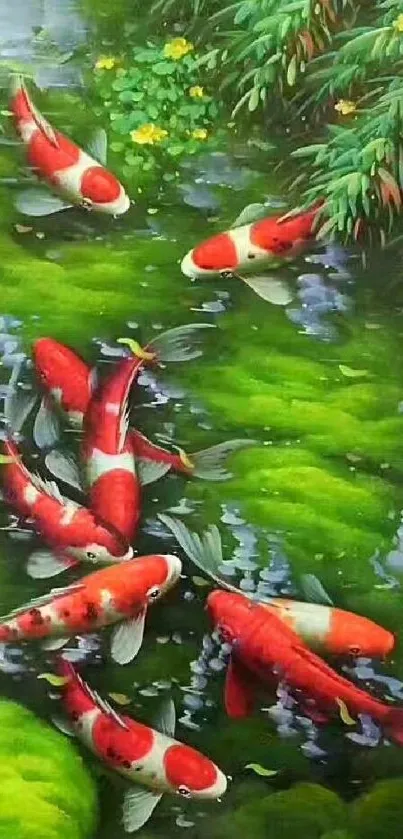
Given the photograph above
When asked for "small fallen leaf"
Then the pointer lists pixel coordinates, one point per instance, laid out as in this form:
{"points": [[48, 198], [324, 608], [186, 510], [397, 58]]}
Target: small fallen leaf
{"points": [[21, 228], [344, 713], [200, 581], [40, 235], [351, 373], [152, 211], [120, 698], [261, 770], [55, 681]]}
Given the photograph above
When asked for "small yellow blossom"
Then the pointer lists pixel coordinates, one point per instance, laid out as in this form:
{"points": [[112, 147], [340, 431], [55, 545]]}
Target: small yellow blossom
{"points": [[398, 23], [345, 107], [199, 134], [148, 134], [177, 48], [196, 92], [105, 62]]}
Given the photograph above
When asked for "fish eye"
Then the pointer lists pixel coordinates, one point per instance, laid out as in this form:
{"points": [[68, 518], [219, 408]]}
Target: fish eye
{"points": [[184, 791], [154, 593], [251, 255], [86, 203], [354, 649], [91, 555]]}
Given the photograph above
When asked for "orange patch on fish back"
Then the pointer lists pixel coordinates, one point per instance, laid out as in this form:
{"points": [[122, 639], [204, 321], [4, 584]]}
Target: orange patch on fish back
{"points": [[216, 254], [99, 185]]}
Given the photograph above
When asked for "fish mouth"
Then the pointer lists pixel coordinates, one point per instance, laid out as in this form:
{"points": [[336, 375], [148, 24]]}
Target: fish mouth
{"points": [[174, 566], [128, 555], [188, 267]]}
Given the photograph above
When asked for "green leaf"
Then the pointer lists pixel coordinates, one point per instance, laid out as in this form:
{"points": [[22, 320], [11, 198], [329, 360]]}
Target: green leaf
{"points": [[254, 99], [350, 373], [164, 68], [201, 582], [52, 679], [261, 770], [175, 149]]}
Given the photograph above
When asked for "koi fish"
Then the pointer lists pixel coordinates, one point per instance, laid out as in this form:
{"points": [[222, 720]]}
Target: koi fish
{"points": [[253, 246], [321, 626], [79, 178], [113, 595], [70, 383], [72, 532], [145, 756], [107, 451], [265, 648]]}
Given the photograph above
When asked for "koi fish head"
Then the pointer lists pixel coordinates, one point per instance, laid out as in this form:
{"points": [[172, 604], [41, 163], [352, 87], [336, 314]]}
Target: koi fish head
{"points": [[191, 774], [103, 192], [63, 374], [148, 578], [212, 256], [98, 542], [358, 636], [230, 613]]}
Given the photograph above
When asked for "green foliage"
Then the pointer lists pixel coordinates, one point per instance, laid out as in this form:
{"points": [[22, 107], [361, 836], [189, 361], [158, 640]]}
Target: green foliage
{"points": [[45, 791], [157, 106]]}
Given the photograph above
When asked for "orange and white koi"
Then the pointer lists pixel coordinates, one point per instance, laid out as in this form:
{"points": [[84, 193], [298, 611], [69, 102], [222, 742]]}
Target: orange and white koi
{"points": [[118, 594]]}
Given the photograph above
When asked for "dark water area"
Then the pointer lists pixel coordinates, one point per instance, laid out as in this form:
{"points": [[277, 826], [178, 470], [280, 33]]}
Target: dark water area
{"points": [[317, 383]]}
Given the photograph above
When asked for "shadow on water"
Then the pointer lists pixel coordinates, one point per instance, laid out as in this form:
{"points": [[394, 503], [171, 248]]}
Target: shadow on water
{"points": [[318, 383]]}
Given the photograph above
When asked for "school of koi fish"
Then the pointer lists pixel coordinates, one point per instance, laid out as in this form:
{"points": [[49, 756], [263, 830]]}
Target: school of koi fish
{"points": [[270, 641]]}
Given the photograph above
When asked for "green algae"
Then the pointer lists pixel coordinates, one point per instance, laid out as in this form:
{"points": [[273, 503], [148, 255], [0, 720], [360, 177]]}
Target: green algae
{"points": [[45, 789]]}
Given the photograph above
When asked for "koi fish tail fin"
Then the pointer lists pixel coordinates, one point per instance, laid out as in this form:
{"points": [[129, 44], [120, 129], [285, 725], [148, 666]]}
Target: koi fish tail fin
{"points": [[209, 464], [394, 725], [178, 344]]}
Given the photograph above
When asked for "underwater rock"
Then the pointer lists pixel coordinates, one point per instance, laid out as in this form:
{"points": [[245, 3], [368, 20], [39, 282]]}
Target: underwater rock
{"points": [[305, 809], [379, 812], [45, 790]]}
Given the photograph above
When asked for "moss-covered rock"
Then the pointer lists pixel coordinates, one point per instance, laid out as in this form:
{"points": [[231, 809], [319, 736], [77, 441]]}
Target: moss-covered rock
{"points": [[308, 809], [45, 790], [379, 812]]}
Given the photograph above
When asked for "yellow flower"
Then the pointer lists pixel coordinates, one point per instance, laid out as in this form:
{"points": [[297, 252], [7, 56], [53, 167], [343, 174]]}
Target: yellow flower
{"points": [[398, 23], [177, 48], [199, 134], [196, 92], [345, 107], [148, 134], [105, 62]]}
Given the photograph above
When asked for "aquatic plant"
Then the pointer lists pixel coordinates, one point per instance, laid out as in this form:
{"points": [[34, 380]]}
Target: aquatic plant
{"points": [[45, 789], [157, 105]]}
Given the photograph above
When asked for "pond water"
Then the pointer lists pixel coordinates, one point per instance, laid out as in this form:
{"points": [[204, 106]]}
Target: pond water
{"points": [[317, 384]]}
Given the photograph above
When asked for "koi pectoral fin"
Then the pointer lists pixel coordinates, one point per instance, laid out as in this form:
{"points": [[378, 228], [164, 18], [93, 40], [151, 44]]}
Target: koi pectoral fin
{"points": [[52, 644], [38, 202], [127, 639], [239, 696], [64, 467], [43, 564], [269, 288], [209, 464], [46, 425], [165, 721], [138, 806]]}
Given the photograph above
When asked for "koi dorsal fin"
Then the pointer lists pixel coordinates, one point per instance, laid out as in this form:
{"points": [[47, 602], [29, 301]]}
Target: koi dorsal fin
{"points": [[50, 487], [43, 125], [101, 704]]}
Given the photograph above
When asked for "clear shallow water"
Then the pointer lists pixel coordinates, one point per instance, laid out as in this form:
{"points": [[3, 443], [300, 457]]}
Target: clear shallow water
{"points": [[322, 495]]}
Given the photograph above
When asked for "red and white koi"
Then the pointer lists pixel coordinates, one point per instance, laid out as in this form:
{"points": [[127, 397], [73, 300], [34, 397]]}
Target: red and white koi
{"points": [[267, 649], [69, 381], [107, 451], [149, 757], [72, 532], [118, 594], [78, 177], [253, 247]]}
